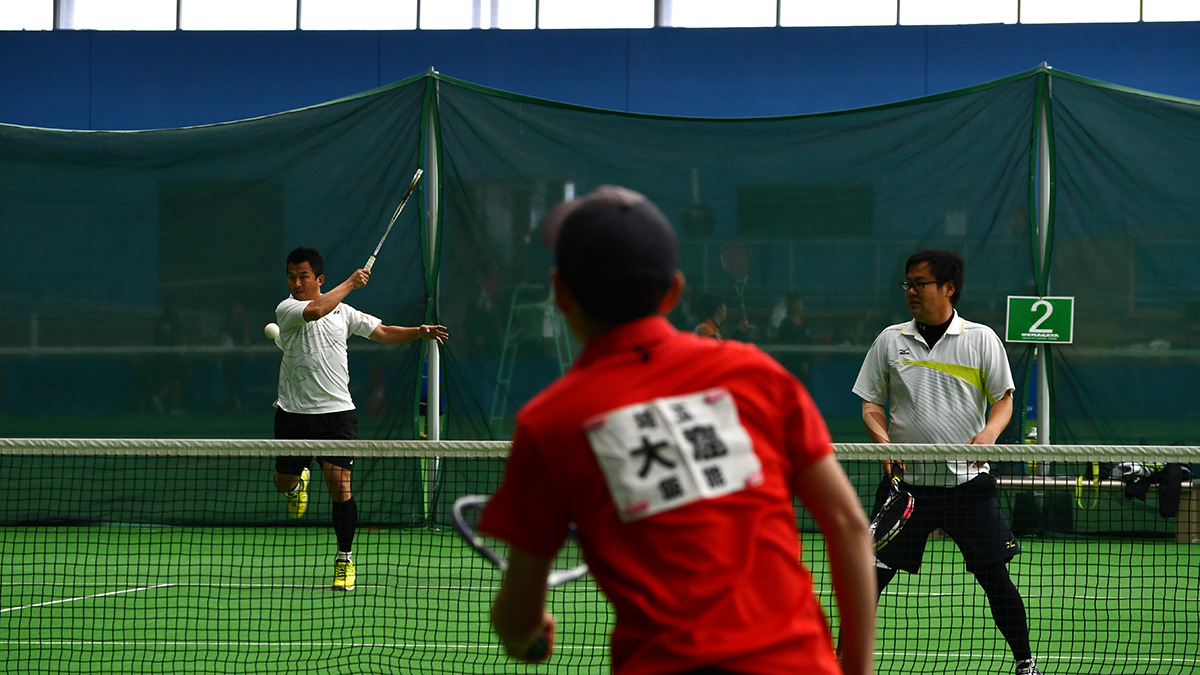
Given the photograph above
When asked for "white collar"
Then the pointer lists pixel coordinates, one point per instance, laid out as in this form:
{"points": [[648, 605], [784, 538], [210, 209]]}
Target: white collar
{"points": [[956, 327]]}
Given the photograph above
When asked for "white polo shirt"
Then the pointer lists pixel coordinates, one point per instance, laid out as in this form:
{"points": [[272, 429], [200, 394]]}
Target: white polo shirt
{"points": [[315, 376], [938, 395]]}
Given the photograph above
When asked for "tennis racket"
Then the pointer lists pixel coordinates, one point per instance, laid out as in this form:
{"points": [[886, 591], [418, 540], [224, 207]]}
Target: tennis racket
{"points": [[893, 515], [467, 511], [569, 564], [735, 258], [408, 193]]}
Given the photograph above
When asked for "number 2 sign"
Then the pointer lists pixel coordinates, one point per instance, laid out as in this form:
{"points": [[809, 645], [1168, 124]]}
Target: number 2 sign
{"points": [[1034, 319]]}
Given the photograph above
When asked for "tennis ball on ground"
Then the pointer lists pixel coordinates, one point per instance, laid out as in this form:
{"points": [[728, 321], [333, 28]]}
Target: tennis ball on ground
{"points": [[271, 330]]}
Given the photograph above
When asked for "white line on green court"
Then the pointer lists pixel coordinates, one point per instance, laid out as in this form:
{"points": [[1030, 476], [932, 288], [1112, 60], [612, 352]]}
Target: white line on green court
{"points": [[84, 597], [260, 643]]}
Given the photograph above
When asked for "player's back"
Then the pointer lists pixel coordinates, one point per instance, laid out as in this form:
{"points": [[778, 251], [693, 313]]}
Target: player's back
{"points": [[696, 547]]}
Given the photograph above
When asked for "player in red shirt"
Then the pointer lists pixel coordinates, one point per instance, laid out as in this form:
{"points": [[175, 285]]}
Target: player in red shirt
{"points": [[677, 457]]}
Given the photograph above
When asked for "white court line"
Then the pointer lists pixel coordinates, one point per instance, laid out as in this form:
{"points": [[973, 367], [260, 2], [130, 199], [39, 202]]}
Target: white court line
{"points": [[84, 597], [230, 584], [259, 643], [934, 656]]}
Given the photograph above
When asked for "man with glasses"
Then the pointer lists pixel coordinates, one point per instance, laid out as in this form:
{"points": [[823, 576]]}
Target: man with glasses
{"points": [[938, 374]]}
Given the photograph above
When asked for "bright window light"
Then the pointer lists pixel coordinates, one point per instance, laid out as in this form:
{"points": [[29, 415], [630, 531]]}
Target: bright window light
{"points": [[456, 14], [956, 12], [1170, 10], [717, 13], [604, 14], [358, 14], [514, 14], [839, 13], [27, 15], [237, 14], [117, 14], [464, 14], [1080, 11]]}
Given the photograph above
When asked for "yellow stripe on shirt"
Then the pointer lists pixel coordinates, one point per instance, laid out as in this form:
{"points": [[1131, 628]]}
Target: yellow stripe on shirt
{"points": [[972, 376]]}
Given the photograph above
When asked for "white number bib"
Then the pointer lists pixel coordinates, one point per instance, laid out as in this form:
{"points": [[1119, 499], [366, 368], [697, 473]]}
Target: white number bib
{"points": [[663, 454]]}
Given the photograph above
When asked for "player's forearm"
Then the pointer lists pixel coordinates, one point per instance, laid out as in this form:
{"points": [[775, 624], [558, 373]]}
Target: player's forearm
{"points": [[518, 613], [853, 573], [875, 421], [327, 301], [998, 418], [829, 496], [517, 620], [395, 335]]}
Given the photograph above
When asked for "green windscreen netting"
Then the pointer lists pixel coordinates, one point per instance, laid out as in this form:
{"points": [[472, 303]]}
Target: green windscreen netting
{"points": [[1127, 246], [144, 265], [827, 208]]}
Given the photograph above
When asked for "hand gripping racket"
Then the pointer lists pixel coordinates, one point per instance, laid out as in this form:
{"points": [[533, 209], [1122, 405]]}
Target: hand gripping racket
{"points": [[467, 511], [408, 193], [894, 514]]}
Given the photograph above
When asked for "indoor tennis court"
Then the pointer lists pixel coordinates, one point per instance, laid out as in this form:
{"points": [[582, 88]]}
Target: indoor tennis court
{"points": [[159, 159]]}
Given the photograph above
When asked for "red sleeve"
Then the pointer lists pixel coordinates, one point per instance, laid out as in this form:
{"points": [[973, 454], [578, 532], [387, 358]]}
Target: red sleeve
{"points": [[527, 511], [808, 438]]}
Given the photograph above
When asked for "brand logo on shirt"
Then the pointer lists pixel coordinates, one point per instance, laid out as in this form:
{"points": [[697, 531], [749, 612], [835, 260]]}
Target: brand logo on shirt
{"points": [[337, 311], [905, 352]]}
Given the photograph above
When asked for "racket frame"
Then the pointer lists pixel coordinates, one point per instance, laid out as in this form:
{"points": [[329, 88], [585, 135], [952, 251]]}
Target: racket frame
{"points": [[895, 494], [556, 578], [412, 185]]}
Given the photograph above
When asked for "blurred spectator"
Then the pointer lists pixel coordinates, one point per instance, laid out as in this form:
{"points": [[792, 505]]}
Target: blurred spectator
{"points": [[793, 331], [714, 311], [235, 332], [169, 367]]}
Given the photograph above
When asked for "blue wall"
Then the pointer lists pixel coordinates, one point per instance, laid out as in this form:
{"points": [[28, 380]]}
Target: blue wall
{"points": [[109, 80]]}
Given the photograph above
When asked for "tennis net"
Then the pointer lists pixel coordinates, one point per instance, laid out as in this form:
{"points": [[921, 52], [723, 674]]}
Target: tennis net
{"points": [[178, 555]]}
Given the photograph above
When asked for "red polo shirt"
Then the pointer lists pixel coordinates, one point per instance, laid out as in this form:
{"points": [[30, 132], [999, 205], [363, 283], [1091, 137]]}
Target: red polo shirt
{"points": [[715, 582]]}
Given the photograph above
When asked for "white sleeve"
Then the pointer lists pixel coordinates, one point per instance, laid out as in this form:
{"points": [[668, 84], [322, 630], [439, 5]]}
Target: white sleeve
{"points": [[996, 368], [289, 313], [359, 323], [872, 382]]}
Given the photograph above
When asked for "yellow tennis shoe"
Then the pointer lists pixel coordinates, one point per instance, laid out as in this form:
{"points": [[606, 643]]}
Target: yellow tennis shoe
{"points": [[298, 497], [343, 576]]}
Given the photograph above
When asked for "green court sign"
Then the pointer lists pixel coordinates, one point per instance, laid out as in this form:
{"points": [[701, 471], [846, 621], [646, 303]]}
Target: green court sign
{"points": [[1034, 319]]}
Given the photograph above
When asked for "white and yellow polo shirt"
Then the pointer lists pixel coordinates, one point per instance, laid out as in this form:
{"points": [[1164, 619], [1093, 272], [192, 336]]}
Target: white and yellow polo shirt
{"points": [[938, 395]]}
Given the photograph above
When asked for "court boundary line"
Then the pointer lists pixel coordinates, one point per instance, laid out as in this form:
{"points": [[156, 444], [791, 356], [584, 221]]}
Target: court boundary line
{"points": [[935, 656], [85, 597]]}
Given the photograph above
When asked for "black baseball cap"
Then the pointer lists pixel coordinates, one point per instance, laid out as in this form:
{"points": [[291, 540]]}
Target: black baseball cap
{"points": [[615, 250]]}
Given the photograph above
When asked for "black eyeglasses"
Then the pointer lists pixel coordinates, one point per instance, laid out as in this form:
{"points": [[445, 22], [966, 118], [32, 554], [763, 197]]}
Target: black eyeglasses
{"points": [[919, 285]]}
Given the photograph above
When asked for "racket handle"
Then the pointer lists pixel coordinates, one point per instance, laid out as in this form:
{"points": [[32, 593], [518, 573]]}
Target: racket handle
{"points": [[370, 262]]}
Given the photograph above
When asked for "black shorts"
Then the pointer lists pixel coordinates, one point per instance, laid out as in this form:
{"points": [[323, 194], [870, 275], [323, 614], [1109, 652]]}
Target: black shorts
{"points": [[321, 427], [970, 513]]}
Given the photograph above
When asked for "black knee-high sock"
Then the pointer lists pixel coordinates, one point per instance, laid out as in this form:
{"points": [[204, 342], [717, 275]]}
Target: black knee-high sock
{"points": [[345, 520], [1008, 610]]}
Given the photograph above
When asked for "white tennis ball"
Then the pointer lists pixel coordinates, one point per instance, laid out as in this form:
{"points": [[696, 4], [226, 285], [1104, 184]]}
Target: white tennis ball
{"points": [[271, 330]]}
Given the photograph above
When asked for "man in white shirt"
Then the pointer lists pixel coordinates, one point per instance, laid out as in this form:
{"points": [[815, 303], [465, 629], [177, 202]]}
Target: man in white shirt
{"points": [[314, 387], [938, 375]]}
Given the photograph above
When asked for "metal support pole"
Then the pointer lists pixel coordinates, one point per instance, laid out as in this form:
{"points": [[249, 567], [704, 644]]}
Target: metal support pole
{"points": [[1043, 225], [433, 390]]}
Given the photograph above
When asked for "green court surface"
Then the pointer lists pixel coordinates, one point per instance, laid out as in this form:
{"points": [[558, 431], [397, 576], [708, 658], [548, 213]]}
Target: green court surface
{"points": [[1096, 606], [123, 599], [118, 599]]}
